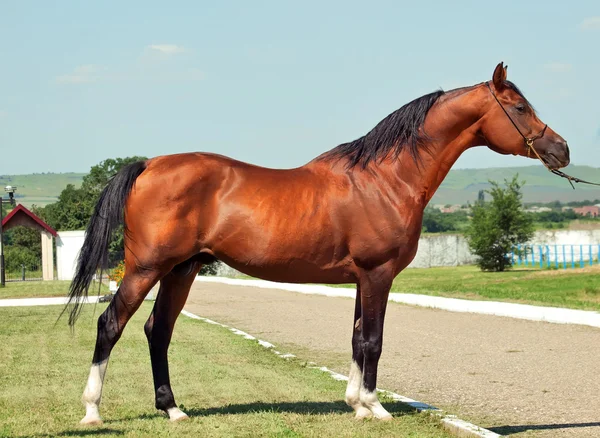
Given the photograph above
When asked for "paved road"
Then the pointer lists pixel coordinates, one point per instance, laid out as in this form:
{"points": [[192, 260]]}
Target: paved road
{"points": [[516, 377]]}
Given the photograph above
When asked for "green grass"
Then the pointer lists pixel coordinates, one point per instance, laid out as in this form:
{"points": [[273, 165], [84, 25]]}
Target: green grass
{"points": [[38, 289], [230, 386], [573, 288]]}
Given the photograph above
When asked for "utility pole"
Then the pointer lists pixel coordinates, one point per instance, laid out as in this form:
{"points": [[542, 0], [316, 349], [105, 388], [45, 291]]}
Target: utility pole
{"points": [[11, 200]]}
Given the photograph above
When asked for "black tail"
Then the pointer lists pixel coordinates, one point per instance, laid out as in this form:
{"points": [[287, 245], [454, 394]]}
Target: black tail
{"points": [[108, 215]]}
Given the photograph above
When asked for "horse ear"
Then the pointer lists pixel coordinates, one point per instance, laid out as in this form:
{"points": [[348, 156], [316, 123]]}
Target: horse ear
{"points": [[499, 76]]}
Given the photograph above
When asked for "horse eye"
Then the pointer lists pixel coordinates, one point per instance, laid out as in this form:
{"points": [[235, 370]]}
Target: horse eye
{"points": [[520, 107]]}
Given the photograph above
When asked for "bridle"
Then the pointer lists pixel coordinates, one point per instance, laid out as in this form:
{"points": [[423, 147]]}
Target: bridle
{"points": [[529, 145]]}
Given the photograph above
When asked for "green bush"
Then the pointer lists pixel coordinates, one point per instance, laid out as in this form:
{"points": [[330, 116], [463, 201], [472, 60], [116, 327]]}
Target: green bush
{"points": [[499, 226]]}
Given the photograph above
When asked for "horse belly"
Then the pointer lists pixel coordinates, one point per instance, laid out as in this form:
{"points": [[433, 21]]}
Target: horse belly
{"points": [[287, 257]]}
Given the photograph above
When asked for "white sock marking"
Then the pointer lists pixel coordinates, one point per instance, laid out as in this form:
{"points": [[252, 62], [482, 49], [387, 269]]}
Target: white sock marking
{"points": [[93, 393], [175, 414], [371, 402], [353, 388]]}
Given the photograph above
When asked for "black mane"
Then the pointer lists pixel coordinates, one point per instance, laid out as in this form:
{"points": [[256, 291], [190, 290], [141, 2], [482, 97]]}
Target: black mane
{"points": [[400, 129]]}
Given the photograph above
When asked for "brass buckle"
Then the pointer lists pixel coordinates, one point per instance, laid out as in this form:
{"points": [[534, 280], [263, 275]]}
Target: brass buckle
{"points": [[529, 143]]}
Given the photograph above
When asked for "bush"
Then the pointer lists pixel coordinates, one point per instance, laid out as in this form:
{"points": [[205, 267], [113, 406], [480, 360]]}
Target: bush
{"points": [[16, 256], [210, 269], [499, 226]]}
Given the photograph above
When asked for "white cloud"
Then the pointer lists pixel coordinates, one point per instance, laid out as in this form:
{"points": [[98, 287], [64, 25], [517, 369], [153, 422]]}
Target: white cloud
{"points": [[590, 23], [167, 49], [81, 74], [558, 67], [3, 114]]}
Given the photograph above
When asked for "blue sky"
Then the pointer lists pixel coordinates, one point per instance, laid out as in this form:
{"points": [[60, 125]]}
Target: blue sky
{"points": [[274, 83]]}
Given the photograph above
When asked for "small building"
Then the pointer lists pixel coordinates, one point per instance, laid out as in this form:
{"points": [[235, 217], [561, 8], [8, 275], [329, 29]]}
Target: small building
{"points": [[23, 217], [588, 210]]}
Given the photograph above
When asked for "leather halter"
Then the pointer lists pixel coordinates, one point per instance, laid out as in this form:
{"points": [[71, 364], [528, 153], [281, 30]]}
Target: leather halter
{"points": [[529, 145]]}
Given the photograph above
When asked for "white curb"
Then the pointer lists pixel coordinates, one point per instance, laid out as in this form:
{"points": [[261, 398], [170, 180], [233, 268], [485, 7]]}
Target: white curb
{"points": [[449, 422], [555, 315]]}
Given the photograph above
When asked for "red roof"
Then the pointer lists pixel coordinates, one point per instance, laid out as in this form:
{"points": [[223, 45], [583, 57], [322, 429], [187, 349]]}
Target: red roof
{"points": [[36, 219]]}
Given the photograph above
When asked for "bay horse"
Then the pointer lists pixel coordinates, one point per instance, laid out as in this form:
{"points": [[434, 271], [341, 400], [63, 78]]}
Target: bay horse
{"points": [[351, 215]]}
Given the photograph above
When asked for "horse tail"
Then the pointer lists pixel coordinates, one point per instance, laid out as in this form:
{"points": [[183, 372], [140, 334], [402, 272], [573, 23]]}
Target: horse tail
{"points": [[107, 216]]}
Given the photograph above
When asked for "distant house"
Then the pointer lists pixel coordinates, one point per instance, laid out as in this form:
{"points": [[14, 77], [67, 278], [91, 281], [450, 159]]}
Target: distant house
{"points": [[451, 208], [588, 210], [536, 209]]}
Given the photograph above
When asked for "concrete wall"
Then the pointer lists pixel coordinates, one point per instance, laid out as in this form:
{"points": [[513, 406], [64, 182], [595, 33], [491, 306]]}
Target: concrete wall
{"points": [[453, 250], [442, 250], [68, 244]]}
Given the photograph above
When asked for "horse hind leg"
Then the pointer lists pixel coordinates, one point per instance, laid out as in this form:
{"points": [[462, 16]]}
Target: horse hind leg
{"points": [[172, 295], [130, 295]]}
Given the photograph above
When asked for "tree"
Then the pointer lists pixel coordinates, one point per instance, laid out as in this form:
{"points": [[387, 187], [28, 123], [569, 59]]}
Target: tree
{"points": [[95, 181], [75, 206], [499, 226]]}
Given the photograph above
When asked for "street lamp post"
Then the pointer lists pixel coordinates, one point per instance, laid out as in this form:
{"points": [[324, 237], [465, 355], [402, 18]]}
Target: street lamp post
{"points": [[11, 200]]}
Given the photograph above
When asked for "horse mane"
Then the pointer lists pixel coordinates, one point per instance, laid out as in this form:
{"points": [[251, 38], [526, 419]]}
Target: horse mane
{"points": [[399, 130]]}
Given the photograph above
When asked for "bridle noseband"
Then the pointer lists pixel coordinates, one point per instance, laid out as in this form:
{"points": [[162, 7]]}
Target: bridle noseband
{"points": [[529, 145]]}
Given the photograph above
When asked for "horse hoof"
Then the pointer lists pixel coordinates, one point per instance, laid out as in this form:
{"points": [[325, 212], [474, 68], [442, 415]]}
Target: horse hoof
{"points": [[175, 414], [91, 421], [385, 418], [362, 413]]}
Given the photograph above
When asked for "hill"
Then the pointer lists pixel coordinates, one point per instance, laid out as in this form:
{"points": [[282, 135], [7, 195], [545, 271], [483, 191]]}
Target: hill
{"points": [[39, 188], [463, 185], [459, 187]]}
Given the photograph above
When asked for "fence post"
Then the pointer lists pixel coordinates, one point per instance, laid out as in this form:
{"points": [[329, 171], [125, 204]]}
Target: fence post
{"points": [[564, 257], [23, 272], [541, 256], [581, 255], [556, 256], [591, 256], [572, 257], [547, 256]]}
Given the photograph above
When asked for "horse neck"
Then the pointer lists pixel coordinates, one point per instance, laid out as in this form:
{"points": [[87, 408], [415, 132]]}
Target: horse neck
{"points": [[452, 124]]}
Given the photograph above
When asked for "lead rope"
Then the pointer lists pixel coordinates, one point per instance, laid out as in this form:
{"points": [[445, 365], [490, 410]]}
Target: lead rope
{"points": [[529, 145]]}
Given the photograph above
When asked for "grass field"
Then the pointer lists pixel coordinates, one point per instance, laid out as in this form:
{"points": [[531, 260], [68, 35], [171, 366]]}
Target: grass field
{"points": [[575, 288], [38, 289], [230, 386]]}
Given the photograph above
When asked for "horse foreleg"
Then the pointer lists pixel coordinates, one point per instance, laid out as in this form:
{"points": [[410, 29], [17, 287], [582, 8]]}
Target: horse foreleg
{"points": [[374, 290], [356, 368], [127, 300], [174, 290]]}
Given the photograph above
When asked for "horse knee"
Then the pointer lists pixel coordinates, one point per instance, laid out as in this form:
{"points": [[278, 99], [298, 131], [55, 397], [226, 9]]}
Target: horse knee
{"points": [[372, 348]]}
